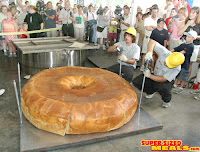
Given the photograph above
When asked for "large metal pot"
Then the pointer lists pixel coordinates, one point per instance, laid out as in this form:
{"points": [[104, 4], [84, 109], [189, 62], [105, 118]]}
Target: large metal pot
{"points": [[36, 62]]}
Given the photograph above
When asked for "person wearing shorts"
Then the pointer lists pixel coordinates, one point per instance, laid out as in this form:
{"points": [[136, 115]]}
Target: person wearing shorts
{"points": [[102, 22], [187, 49]]}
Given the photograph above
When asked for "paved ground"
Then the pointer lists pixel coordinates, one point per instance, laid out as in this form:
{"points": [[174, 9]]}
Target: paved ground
{"points": [[180, 122]]}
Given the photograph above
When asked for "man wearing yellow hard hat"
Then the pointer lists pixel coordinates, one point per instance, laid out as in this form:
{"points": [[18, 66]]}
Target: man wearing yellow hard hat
{"points": [[128, 55], [168, 66]]}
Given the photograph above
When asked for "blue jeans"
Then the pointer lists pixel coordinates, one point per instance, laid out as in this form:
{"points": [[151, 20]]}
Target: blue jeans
{"points": [[94, 38]]}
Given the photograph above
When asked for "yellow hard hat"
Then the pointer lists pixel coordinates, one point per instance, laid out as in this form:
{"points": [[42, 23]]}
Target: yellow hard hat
{"points": [[175, 59], [131, 30]]}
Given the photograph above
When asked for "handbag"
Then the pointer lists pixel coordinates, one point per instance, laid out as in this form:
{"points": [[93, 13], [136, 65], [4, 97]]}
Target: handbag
{"points": [[100, 29]]}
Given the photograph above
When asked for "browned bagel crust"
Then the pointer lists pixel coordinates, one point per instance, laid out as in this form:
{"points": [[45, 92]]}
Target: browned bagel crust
{"points": [[78, 100]]}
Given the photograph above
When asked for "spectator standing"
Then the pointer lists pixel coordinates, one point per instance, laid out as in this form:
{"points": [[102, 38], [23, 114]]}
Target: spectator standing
{"points": [[50, 21], [24, 29], [58, 23], [174, 40], [160, 34], [150, 24], [168, 21], [141, 32], [112, 32], [34, 21], [3, 15], [168, 7], [9, 25], [67, 20], [102, 29], [138, 24], [186, 49], [192, 23], [90, 24], [80, 18], [94, 38], [125, 24], [20, 19]]}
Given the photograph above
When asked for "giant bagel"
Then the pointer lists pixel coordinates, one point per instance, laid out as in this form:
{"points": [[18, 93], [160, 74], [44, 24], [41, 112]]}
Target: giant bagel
{"points": [[77, 100]]}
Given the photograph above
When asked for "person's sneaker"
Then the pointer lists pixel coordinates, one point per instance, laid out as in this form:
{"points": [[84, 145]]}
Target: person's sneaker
{"points": [[175, 86], [195, 91], [142, 68], [95, 44], [14, 55], [104, 47], [99, 46], [149, 96], [10, 55], [197, 97], [166, 105], [2, 91], [178, 90], [5, 53], [27, 77]]}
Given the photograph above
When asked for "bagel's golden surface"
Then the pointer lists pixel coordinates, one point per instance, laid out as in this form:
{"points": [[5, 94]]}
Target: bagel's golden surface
{"points": [[77, 100]]}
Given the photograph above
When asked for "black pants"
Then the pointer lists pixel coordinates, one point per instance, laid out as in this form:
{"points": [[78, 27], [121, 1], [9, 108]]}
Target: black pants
{"points": [[118, 35], [68, 30], [127, 71], [150, 86], [89, 31], [37, 35]]}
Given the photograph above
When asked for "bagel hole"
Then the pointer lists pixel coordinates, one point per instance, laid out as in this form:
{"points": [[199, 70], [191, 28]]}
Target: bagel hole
{"points": [[79, 87], [78, 82]]}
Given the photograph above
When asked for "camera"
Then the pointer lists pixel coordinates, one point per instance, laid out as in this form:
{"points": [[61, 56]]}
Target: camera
{"points": [[100, 11], [118, 13], [118, 10], [40, 6], [119, 49]]}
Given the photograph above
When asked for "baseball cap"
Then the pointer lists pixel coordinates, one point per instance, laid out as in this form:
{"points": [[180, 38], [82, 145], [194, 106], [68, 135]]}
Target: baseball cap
{"points": [[191, 33], [160, 20]]}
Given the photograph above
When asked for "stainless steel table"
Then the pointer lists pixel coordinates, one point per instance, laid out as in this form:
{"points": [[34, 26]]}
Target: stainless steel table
{"points": [[37, 54]]}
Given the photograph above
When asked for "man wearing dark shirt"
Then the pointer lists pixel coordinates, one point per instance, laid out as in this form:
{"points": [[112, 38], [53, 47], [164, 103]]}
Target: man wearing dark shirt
{"points": [[50, 20], [187, 49], [34, 21], [160, 34]]}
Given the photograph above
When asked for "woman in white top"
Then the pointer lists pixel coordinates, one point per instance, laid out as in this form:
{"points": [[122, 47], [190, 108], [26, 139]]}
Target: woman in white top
{"points": [[79, 18]]}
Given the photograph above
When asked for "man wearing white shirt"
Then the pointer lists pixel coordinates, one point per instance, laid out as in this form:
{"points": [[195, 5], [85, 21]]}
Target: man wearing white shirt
{"points": [[66, 18], [91, 24], [79, 23], [125, 24], [150, 24], [102, 31], [168, 8], [3, 15]]}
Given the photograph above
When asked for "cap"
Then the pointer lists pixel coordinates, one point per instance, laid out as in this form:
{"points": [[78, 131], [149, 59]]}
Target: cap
{"points": [[160, 20], [191, 33]]}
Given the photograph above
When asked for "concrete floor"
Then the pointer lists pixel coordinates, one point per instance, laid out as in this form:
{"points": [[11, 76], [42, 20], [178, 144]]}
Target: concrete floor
{"points": [[180, 122]]}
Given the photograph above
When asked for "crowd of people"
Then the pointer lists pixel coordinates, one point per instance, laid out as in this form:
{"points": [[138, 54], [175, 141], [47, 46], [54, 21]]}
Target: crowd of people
{"points": [[177, 29]]}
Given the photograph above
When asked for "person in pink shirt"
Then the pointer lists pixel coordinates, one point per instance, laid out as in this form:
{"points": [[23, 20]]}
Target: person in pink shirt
{"points": [[9, 25], [176, 23]]}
